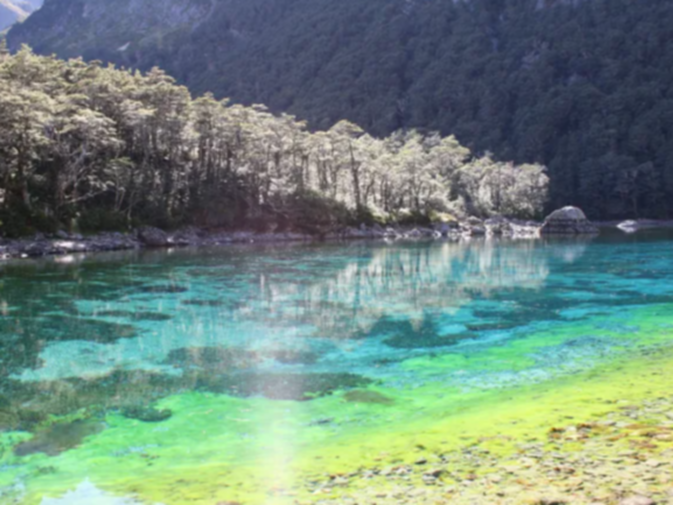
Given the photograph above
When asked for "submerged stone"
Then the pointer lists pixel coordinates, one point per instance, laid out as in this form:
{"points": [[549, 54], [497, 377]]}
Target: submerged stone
{"points": [[167, 289], [298, 387], [135, 316], [147, 414], [293, 357], [205, 303], [365, 396], [212, 358], [9, 421], [504, 325], [59, 438], [415, 340]]}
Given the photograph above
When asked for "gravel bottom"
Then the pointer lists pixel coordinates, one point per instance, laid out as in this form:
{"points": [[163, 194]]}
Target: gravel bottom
{"points": [[624, 458]]}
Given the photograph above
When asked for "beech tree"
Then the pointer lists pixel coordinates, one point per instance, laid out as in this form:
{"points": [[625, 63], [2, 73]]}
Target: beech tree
{"points": [[110, 148]]}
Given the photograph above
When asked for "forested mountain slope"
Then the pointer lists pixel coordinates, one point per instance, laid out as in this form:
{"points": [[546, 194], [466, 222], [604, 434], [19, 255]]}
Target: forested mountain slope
{"points": [[581, 86]]}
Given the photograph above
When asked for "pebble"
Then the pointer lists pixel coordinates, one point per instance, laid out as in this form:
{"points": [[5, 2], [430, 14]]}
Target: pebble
{"points": [[637, 500]]}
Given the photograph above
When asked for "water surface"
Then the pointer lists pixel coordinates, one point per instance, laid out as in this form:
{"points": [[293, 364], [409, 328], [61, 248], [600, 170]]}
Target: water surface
{"points": [[243, 373]]}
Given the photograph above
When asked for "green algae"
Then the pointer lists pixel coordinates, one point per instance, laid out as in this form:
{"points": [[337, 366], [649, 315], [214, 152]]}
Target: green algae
{"points": [[146, 414], [446, 424], [366, 396], [282, 386], [231, 441]]}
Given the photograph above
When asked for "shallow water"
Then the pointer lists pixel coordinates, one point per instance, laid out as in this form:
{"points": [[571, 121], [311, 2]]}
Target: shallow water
{"points": [[243, 373]]}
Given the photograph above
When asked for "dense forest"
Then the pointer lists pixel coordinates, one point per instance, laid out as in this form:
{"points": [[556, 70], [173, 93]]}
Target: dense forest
{"points": [[92, 147], [583, 87]]}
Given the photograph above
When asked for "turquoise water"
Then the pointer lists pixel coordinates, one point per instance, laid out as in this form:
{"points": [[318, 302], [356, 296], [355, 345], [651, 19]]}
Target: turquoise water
{"points": [[146, 365]]}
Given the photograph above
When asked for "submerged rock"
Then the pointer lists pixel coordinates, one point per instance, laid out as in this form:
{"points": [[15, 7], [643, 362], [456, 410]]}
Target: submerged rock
{"points": [[212, 358], [277, 386], [293, 357], [147, 414], [169, 289], [134, 316], [9, 421], [568, 221], [58, 438]]}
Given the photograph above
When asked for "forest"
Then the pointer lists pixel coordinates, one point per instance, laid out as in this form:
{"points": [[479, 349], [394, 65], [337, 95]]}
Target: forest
{"points": [[88, 147], [582, 87]]}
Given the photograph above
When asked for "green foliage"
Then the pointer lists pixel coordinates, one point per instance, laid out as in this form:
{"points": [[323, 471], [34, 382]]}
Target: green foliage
{"points": [[98, 148], [313, 211], [100, 219], [581, 87]]}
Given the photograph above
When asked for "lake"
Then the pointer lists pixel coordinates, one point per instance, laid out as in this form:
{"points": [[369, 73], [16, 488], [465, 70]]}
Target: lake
{"points": [[299, 373]]}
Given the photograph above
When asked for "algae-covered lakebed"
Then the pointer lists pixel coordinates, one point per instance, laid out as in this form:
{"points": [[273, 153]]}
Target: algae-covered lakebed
{"points": [[441, 372]]}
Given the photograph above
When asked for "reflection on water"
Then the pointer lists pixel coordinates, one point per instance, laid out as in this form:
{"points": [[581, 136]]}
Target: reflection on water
{"points": [[102, 342]]}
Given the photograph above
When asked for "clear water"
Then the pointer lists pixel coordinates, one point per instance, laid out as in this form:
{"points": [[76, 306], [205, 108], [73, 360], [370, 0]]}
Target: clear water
{"points": [[186, 376]]}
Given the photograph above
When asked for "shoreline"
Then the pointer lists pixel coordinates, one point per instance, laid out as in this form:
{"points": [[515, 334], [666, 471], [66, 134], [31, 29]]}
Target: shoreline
{"points": [[61, 243]]}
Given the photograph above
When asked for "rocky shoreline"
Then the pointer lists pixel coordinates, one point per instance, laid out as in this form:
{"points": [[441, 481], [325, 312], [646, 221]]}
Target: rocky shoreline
{"points": [[623, 458], [569, 221]]}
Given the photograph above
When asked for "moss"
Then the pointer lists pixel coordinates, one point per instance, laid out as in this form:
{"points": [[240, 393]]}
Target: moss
{"points": [[366, 396]]}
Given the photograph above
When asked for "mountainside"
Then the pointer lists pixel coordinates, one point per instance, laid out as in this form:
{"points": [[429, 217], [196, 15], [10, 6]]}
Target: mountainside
{"points": [[582, 86], [12, 11]]}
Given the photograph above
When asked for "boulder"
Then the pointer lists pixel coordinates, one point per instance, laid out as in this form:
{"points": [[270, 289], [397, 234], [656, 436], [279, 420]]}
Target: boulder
{"points": [[447, 229], [568, 221], [473, 227], [152, 237], [498, 226]]}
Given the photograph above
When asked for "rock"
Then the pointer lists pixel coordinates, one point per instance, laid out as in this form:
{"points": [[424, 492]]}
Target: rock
{"points": [[469, 230], [391, 233], [568, 221], [498, 226], [637, 500], [186, 237], [629, 226], [447, 229], [37, 249], [153, 237], [524, 229]]}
